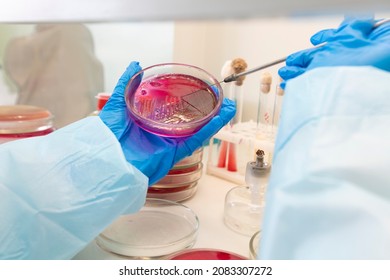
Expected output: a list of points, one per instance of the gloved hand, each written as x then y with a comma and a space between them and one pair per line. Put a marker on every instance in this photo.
154, 155
356, 42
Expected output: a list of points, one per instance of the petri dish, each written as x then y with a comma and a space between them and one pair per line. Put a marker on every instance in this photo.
183, 169
254, 243
22, 121
102, 99
177, 193
173, 99
206, 254
191, 160
160, 228
180, 178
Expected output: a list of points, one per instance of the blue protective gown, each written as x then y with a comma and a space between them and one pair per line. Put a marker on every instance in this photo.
58, 192
329, 190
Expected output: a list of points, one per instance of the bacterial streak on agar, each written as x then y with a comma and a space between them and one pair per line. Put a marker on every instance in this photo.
159, 102
165, 99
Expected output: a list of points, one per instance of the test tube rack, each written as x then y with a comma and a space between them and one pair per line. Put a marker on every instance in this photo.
247, 138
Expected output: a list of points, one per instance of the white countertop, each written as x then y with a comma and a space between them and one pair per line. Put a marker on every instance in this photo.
208, 204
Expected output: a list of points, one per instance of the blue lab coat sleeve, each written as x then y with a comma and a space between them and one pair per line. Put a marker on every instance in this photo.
59, 191
329, 190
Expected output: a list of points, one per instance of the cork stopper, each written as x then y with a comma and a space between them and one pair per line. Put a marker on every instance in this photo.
265, 82
238, 66
279, 90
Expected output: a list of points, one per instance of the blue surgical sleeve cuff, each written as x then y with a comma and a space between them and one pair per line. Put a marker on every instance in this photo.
59, 191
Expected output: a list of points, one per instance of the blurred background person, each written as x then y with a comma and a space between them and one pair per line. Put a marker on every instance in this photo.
6, 96
56, 68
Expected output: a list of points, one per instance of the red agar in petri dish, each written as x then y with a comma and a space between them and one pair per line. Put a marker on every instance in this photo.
102, 99
156, 189
175, 101
27, 134
206, 254
174, 98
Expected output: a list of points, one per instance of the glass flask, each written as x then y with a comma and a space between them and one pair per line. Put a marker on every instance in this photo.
244, 205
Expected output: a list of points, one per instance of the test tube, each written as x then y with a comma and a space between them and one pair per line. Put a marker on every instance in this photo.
264, 115
279, 93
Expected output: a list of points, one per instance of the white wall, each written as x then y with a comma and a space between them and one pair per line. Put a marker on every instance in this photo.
117, 44
208, 44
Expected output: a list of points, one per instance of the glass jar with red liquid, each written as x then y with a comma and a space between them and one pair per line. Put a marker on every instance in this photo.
23, 121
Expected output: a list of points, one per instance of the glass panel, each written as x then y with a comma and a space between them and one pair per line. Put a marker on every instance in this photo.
62, 67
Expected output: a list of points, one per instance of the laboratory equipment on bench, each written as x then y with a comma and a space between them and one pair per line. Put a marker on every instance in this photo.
244, 205
246, 137
24, 121
251, 135
172, 99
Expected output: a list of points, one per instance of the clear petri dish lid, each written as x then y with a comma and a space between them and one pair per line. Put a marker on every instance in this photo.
188, 176
24, 119
206, 254
171, 188
160, 228
191, 160
184, 169
177, 194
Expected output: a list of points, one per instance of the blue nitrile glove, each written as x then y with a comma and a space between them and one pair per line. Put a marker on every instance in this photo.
154, 155
356, 42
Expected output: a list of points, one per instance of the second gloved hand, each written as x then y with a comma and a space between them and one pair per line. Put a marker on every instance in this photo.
154, 155
356, 42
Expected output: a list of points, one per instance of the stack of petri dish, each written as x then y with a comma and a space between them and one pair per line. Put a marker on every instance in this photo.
181, 181
174, 100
